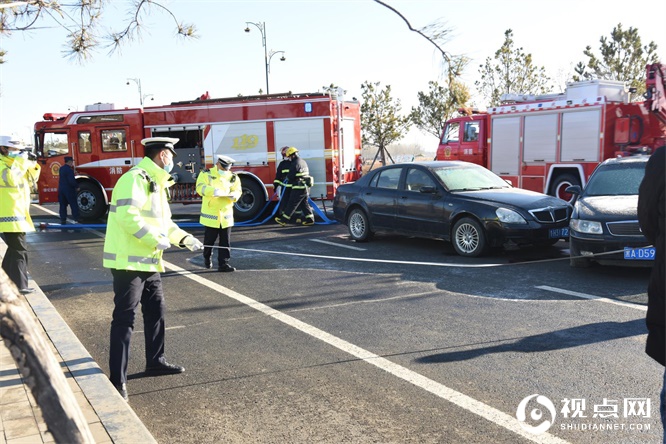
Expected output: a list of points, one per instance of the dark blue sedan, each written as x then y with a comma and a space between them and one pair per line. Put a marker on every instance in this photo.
604, 225
460, 202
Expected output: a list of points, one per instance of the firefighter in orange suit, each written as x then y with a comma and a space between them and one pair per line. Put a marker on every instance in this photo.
220, 188
18, 173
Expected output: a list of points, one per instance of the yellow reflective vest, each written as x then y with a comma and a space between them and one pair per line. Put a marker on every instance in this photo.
17, 176
139, 215
218, 212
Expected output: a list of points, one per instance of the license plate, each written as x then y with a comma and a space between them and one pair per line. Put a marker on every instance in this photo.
639, 254
557, 233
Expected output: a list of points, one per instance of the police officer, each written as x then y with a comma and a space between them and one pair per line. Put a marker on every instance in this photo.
18, 173
301, 181
67, 189
139, 229
220, 188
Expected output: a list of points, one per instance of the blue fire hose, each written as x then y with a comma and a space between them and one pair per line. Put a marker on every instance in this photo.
248, 223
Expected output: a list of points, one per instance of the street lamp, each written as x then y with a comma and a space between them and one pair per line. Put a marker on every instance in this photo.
142, 96
267, 56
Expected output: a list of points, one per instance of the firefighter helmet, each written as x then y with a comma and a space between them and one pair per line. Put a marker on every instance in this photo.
291, 150
283, 151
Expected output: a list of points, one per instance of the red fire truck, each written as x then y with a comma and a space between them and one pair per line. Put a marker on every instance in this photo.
549, 142
106, 142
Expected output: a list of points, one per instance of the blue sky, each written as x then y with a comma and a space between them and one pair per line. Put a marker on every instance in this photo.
341, 42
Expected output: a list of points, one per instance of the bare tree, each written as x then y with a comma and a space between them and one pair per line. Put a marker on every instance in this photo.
82, 20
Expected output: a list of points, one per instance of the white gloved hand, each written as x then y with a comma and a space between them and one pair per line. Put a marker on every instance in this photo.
218, 193
163, 243
192, 243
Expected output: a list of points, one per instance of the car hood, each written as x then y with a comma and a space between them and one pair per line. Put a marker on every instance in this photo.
604, 208
518, 197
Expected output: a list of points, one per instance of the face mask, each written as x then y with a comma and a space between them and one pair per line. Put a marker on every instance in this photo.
13, 153
168, 166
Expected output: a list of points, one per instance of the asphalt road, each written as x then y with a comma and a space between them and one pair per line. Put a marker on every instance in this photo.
319, 339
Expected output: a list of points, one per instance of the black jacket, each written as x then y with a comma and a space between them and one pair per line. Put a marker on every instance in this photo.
651, 216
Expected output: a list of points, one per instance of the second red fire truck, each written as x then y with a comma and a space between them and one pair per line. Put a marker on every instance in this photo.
547, 143
106, 142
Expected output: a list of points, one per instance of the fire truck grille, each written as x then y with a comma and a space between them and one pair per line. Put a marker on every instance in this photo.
550, 215
624, 228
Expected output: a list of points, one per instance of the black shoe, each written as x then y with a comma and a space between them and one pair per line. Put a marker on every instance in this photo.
281, 221
163, 368
207, 263
226, 268
122, 389
26, 290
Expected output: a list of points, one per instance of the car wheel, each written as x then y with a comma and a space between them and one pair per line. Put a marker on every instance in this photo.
358, 225
468, 238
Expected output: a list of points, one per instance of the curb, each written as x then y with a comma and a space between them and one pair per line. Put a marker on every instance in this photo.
120, 421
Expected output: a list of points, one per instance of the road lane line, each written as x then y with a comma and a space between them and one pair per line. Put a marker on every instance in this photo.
461, 400
592, 297
338, 245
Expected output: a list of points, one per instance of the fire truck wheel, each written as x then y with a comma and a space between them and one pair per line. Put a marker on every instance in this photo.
468, 238
91, 202
251, 202
560, 184
358, 225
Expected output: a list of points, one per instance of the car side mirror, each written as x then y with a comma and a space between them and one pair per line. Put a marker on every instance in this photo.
574, 189
428, 190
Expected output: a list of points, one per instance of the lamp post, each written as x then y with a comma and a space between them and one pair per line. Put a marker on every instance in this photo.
142, 96
267, 55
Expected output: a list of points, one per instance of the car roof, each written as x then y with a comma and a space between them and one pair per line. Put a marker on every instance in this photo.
434, 163
630, 159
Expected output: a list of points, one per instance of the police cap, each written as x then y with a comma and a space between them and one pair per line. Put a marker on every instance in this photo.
10, 142
160, 143
225, 161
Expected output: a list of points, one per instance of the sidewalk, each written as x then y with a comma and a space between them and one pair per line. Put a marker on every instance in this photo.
110, 418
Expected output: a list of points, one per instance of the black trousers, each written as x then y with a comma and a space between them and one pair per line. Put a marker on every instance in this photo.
68, 197
298, 200
130, 288
210, 236
15, 262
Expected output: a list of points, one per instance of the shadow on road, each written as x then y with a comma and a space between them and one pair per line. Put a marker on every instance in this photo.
554, 340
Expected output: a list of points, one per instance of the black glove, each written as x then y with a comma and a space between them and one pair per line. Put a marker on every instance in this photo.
31, 156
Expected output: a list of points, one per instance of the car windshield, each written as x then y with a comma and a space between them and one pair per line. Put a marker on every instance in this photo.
620, 179
469, 178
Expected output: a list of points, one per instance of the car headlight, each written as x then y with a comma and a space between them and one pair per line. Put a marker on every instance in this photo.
586, 226
509, 216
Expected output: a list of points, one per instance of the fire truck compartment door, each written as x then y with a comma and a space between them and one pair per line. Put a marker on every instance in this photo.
505, 145
245, 142
540, 143
308, 136
581, 135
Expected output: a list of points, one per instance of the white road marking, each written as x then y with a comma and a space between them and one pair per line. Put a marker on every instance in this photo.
592, 297
461, 400
338, 245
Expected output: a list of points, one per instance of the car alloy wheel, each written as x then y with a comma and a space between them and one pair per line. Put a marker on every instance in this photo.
359, 228
468, 238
